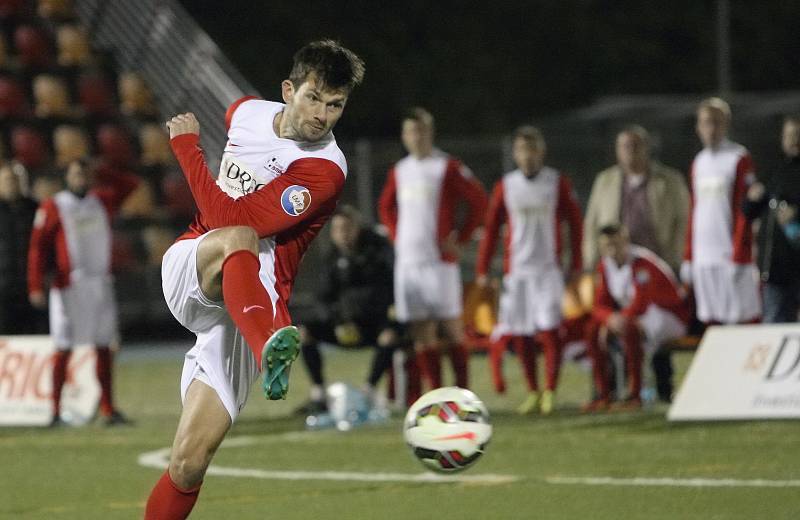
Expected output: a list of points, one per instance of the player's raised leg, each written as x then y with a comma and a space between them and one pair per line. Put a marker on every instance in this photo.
203, 424
228, 269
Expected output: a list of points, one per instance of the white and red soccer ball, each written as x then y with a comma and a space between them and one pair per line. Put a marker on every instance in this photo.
448, 429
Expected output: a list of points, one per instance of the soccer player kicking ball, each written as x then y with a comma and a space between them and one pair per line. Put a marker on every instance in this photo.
228, 278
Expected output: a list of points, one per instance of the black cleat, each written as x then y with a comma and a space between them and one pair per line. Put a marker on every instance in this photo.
117, 418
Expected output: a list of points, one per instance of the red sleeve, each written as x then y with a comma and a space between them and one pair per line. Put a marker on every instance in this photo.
115, 188
495, 218
742, 231
568, 210
387, 205
468, 188
268, 210
604, 305
232, 108
652, 287
42, 244
687, 250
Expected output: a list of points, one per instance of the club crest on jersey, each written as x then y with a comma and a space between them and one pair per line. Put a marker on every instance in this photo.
295, 200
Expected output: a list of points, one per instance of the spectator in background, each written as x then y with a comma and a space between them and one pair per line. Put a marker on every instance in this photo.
718, 260
136, 101
353, 301
638, 300
418, 206
534, 201
777, 205
648, 198
651, 200
72, 235
17, 210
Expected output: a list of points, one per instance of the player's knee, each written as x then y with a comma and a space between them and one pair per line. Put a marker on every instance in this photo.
238, 238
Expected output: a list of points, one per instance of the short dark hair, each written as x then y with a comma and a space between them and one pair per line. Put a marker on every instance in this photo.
419, 115
610, 230
349, 212
335, 66
531, 134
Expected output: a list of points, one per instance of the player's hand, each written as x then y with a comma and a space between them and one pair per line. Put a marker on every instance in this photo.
786, 213
183, 124
616, 323
37, 299
755, 191
451, 246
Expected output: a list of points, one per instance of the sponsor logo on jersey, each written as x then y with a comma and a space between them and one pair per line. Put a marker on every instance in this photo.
274, 166
235, 177
295, 200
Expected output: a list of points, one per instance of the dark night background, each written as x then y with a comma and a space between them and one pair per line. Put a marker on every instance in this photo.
483, 69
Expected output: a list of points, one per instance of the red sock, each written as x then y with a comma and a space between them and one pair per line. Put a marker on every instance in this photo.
526, 352
168, 502
413, 380
103, 372
634, 354
430, 366
599, 360
496, 352
551, 345
459, 358
247, 301
60, 360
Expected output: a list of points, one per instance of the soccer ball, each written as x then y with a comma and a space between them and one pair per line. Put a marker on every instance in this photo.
448, 429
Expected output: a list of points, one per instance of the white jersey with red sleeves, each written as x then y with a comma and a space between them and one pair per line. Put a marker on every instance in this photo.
418, 206
631, 288
718, 232
254, 155
533, 209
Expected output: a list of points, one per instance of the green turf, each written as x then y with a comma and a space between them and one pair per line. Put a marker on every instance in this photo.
92, 472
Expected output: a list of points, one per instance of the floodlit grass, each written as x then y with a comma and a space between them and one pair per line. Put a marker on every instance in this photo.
92, 472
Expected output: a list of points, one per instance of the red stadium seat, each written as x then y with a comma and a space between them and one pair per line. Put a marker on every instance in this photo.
115, 146
29, 147
32, 46
12, 99
11, 7
95, 96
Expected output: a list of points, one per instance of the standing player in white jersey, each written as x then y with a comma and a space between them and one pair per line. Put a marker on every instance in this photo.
228, 278
418, 206
71, 240
533, 202
718, 259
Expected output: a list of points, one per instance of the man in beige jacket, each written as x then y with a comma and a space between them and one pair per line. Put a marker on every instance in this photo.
652, 202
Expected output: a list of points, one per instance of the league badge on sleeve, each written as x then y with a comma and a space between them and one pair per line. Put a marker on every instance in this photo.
295, 200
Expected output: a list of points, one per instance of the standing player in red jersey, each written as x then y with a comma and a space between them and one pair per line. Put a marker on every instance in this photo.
72, 238
418, 206
228, 279
533, 202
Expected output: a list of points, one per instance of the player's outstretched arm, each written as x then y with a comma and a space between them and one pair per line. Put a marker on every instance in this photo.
307, 185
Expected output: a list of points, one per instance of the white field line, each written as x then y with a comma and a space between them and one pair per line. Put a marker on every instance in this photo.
160, 459
673, 482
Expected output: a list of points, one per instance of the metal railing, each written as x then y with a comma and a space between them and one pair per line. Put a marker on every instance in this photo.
183, 66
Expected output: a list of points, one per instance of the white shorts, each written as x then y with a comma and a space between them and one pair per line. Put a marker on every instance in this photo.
429, 291
220, 357
530, 302
659, 326
726, 293
84, 313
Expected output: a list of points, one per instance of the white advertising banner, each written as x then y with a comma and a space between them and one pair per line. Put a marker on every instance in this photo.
742, 372
26, 373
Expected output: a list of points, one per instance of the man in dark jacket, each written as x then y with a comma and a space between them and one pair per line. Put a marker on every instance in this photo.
353, 301
776, 205
17, 211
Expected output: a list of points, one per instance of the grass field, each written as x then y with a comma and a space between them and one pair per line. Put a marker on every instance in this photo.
93, 472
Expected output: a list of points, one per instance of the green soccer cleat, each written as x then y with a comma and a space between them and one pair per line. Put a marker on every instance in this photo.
279, 353
547, 404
